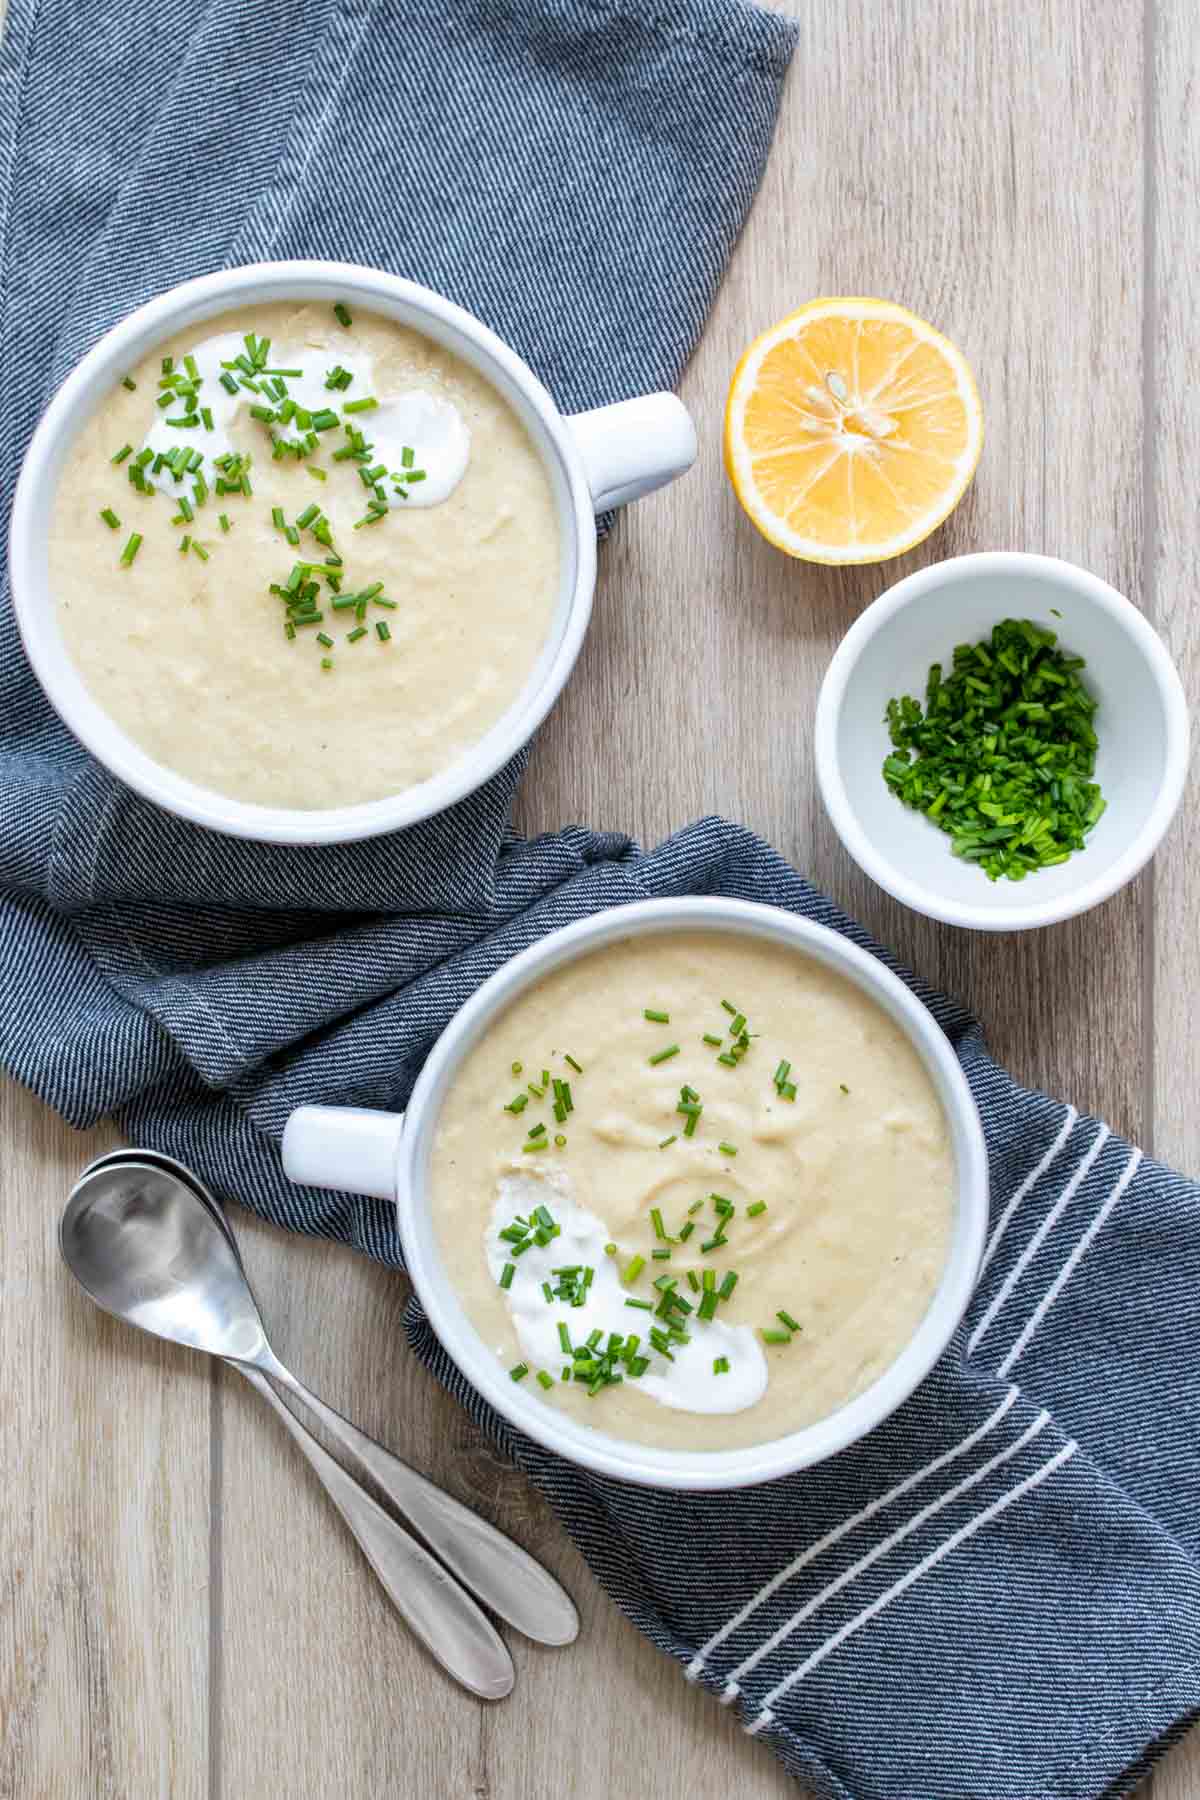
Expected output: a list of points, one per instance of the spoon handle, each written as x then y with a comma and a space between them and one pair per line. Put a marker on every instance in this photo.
504, 1576
446, 1619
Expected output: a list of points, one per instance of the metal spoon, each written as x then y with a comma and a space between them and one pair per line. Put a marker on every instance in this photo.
505, 1577
144, 1246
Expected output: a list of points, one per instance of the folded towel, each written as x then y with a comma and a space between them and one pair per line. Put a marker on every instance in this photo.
995, 1596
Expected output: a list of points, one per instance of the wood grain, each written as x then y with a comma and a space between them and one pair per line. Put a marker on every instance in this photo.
1026, 178
104, 1514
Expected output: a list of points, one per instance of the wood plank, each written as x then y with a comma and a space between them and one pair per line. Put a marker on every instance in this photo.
1173, 564
103, 1513
321, 1688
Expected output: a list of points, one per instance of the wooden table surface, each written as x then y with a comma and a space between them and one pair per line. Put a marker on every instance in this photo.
181, 1612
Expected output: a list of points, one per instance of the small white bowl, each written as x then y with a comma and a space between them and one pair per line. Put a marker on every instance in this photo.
1141, 722
388, 1154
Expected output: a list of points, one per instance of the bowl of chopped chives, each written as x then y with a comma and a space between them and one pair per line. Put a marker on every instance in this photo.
1001, 741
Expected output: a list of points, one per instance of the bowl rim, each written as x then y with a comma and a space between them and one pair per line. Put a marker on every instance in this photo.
452, 326
587, 1446
1027, 915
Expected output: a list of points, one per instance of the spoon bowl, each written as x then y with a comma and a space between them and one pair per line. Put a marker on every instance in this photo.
142, 1244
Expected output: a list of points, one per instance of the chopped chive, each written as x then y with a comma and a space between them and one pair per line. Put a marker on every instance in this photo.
708, 1038
168, 364
325, 639
785, 1318
110, 518
788, 1091
122, 453
656, 1018
661, 1255
729, 1061
130, 383
693, 1282
201, 552
576, 1066
738, 1026
776, 1337
185, 543
757, 1206
223, 521
342, 314
544, 1380
729, 1007
727, 1149
518, 1103
843, 1087
383, 632
641, 1305
518, 1372
305, 519
564, 1337
668, 1140
132, 546
686, 1230
358, 406
277, 518
560, 1142
720, 1365
714, 1243
656, 1219
661, 1056
327, 662
507, 1273
708, 1306
317, 474
633, 1269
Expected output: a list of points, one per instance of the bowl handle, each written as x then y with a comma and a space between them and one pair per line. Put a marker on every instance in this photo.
350, 1148
633, 447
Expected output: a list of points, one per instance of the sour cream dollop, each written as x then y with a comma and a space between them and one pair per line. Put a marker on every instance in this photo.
687, 1384
417, 420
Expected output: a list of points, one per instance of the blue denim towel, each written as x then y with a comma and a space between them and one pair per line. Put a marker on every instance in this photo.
996, 1596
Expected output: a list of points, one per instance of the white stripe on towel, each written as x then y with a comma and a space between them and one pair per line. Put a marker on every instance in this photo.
1068, 1269
1030, 1181
766, 1716
838, 1532
1039, 1237
885, 1545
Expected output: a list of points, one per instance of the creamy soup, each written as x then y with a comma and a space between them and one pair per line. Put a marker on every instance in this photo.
317, 573
768, 1141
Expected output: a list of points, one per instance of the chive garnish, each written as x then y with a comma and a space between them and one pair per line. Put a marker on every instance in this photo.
843, 1087
544, 1380
661, 1056
708, 1038
560, 1142
1002, 755
507, 1273
382, 630
359, 406
122, 453
324, 638
656, 1219
720, 1365
519, 1371
110, 518
571, 1060
342, 314
756, 1207
727, 1286
656, 1018
727, 1149
785, 1318
130, 383
185, 543
661, 1255
729, 1007
776, 1337
132, 546
641, 1305
201, 552
327, 662
667, 1140
633, 1269
685, 1230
